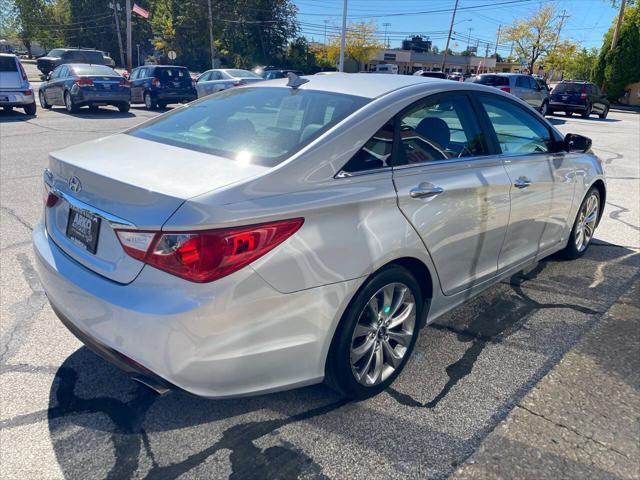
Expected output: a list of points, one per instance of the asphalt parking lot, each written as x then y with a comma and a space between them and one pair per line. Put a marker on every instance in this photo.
65, 413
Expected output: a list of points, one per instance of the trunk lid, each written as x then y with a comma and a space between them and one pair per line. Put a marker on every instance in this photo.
131, 181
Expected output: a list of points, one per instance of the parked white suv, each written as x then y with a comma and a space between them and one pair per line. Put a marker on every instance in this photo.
15, 90
525, 87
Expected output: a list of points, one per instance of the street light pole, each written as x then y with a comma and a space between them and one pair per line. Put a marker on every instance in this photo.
446, 49
343, 39
213, 57
129, 49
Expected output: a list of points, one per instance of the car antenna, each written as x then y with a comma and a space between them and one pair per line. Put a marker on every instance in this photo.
295, 81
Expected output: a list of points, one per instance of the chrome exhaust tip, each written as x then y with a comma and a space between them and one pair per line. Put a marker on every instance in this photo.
151, 384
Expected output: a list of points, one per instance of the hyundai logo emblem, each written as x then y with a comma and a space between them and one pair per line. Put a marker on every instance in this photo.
74, 184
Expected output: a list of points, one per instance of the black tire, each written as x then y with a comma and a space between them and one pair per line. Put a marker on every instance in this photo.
30, 109
587, 112
7, 109
338, 370
43, 101
568, 113
544, 108
93, 108
162, 105
69, 104
149, 102
571, 251
124, 107
604, 114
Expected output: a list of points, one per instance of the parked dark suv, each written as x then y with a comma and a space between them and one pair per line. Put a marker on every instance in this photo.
59, 56
158, 85
584, 98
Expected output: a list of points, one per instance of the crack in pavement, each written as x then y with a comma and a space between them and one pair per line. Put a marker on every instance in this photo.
574, 430
12, 213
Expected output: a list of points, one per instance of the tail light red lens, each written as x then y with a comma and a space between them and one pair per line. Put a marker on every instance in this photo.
28, 93
209, 255
84, 82
583, 94
505, 89
51, 200
124, 83
155, 82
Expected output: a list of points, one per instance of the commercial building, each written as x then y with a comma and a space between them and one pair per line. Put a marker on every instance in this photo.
410, 61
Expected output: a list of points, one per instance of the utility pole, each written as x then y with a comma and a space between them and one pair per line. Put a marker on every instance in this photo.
325, 31
469, 38
343, 39
495, 52
446, 49
129, 48
616, 32
562, 17
386, 39
115, 7
213, 55
486, 58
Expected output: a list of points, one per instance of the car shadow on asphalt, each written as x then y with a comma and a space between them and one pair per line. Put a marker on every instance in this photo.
15, 116
96, 113
93, 404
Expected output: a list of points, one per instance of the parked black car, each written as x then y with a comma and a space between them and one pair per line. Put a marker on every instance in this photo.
431, 74
77, 85
60, 56
158, 85
584, 98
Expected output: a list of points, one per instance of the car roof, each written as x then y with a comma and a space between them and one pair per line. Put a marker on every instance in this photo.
8, 55
357, 84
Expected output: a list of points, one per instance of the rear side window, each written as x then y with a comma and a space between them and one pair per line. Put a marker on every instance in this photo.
491, 80
252, 125
522, 82
375, 154
8, 64
518, 132
439, 129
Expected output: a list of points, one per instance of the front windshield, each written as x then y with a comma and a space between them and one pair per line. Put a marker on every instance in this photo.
55, 53
252, 125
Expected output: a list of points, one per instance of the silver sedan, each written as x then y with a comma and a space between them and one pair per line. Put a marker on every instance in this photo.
305, 229
215, 80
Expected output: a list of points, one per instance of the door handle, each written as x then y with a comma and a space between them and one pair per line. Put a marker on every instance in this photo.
522, 182
423, 191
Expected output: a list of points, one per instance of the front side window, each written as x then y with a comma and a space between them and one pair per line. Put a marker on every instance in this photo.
522, 82
375, 154
439, 129
252, 125
56, 53
518, 132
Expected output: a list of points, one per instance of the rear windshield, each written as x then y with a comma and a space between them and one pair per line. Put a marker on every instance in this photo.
252, 125
94, 70
492, 80
170, 73
8, 64
569, 88
235, 72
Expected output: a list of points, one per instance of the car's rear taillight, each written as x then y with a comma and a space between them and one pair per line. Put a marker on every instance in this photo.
155, 82
583, 94
84, 82
50, 199
505, 89
28, 93
205, 256
124, 83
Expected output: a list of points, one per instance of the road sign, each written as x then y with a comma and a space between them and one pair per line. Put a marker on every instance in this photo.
172, 55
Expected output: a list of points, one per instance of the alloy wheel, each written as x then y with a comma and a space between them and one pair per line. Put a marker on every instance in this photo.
383, 334
543, 109
68, 103
586, 225
43, 102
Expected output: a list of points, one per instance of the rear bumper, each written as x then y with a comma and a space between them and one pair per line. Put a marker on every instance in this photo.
82, 97
180, 96
15, 98
236, 336
567, 107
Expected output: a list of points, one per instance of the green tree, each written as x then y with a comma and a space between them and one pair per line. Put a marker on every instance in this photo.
361, 44
617, 68
535, 36
582, 64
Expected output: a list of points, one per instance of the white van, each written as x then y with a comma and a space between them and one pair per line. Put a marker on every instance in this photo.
387, 68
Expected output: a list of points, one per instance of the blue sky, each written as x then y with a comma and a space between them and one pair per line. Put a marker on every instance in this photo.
587, 21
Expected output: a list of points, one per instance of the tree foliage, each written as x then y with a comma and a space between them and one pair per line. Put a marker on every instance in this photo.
535, 36
361, 44
615, 69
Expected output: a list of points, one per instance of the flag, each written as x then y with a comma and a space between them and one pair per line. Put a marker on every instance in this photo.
140, 11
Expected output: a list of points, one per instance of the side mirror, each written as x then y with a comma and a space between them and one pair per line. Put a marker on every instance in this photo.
576, 143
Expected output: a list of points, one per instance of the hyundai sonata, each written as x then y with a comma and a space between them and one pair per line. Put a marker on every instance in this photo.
305, 229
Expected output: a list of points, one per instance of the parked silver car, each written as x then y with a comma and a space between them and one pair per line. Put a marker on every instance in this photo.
302, 230
15, 89
216, 80
525, 87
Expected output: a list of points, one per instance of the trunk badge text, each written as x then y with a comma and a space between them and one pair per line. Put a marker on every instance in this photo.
74, 184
